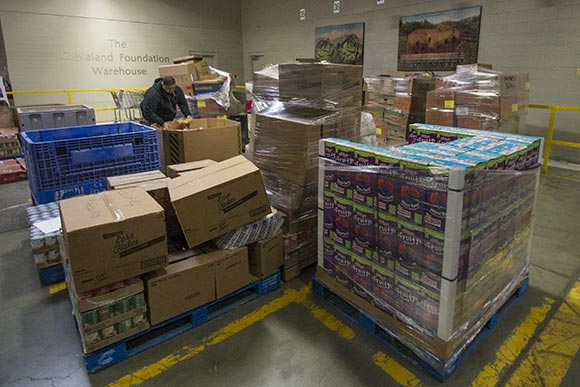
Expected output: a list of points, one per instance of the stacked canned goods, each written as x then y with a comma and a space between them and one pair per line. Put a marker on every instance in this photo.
45, 248
106, 321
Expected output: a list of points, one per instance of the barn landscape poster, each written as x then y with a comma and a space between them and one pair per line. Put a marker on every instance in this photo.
440, 40
340, 44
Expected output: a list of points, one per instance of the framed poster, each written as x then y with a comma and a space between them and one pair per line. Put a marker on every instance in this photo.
340, 44
440, 40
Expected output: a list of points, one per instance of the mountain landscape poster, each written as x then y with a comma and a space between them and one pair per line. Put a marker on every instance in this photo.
340, 44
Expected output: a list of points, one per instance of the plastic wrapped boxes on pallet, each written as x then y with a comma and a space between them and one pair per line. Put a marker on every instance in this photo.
428, 232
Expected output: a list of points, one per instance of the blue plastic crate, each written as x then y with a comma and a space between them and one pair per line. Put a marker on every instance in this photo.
56, 194
65, 157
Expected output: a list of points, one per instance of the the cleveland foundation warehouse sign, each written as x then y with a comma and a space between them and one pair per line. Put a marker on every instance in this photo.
118, 60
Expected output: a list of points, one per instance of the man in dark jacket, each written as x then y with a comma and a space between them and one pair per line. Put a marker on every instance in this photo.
160, 100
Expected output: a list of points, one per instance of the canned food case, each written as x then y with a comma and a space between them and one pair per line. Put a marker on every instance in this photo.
109, 314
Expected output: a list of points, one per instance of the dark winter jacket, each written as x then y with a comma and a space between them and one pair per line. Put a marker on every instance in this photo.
158, 106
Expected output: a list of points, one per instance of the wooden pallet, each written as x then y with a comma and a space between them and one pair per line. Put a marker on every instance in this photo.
289, 273
160, 333
390, 337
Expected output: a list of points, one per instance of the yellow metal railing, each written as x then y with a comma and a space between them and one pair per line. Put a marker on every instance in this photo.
550, 136
69, 93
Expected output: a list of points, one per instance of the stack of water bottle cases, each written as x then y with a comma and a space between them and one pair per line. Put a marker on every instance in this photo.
435, 233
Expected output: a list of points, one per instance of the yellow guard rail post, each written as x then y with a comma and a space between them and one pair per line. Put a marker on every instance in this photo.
550, 137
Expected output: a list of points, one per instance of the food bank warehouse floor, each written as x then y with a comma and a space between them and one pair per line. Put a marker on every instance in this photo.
278, 194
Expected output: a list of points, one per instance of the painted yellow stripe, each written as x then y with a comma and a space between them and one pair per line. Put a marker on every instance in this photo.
152, 370
513, 346
575, 179
396, 371
57, 287
329, 321
550, 357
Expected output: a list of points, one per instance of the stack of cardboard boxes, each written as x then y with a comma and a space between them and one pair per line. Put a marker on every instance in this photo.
427, 232
297, 104
141, 253
396, 101
478, 98
206, 88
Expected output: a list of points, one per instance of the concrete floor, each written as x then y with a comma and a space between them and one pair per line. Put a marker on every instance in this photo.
39, 345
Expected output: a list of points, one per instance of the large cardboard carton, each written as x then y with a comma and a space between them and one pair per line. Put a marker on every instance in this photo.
176, 169
265, 257
217, 199
205, 138
113, 236
183, 74
231, 269
180, 287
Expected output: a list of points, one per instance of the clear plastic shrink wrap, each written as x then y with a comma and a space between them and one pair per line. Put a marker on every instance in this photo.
295, 105
479, 98
433, 236
395, 102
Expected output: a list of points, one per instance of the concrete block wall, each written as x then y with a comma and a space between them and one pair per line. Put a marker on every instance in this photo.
538, 36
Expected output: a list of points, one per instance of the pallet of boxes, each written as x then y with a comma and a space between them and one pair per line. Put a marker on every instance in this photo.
142, 255
295, 105
478, 98
396, 100
424, 239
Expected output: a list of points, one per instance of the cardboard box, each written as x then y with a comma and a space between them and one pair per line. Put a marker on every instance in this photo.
180, 287
182, 73
265, 257
217, 199
208, 86
116, 182
176, 169
209, 108
231, 269
113, 236
206, 138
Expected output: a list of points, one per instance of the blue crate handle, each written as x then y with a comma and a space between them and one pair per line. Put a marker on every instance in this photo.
101, 154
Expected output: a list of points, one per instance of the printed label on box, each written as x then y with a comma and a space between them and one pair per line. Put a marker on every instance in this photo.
462, 111
449, 104
201, 104
379, 131
514, 107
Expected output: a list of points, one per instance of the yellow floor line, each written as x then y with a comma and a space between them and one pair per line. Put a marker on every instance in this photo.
329, 321
187, 352
396, 371
513, 346
577, 180
57, 287
390, 366
550, 357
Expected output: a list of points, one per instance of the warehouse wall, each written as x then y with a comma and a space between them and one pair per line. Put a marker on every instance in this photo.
82, 44
539, 36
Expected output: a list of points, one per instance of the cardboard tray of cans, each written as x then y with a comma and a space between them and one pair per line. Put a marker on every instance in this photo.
109, 314
428, 231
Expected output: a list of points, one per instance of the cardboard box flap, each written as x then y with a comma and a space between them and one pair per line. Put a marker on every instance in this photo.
193, 186
107, 207
115, 181
189, 176
191, 166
